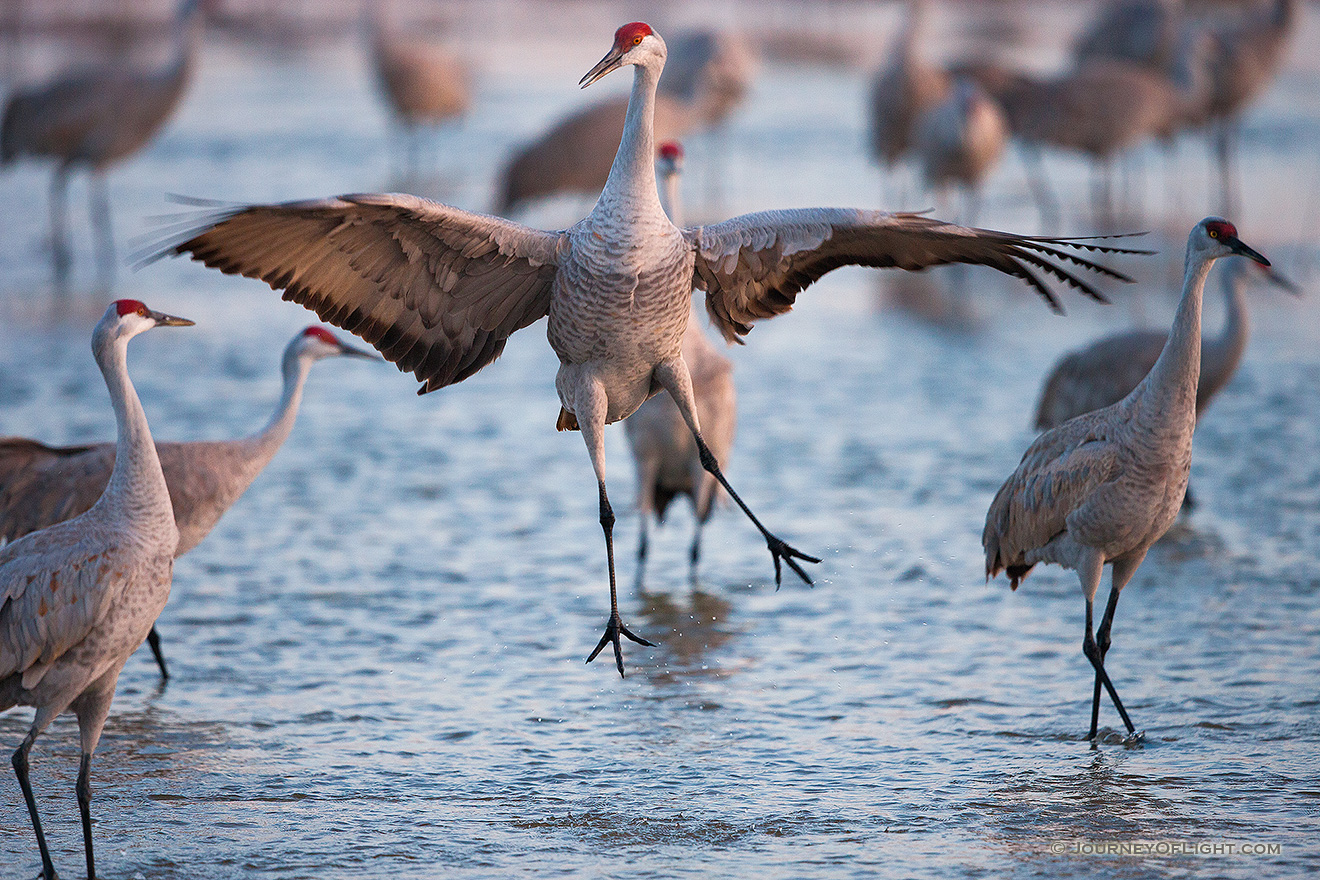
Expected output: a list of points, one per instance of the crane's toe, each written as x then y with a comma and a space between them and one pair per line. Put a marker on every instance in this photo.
782, 551
612, 630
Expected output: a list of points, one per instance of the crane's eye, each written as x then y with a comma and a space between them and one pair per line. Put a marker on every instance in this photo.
141, 311
637, 40
1214, 233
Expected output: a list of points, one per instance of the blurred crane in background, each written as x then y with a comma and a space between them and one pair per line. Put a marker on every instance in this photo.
93, 118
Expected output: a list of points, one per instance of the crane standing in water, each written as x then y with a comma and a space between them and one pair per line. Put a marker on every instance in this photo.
668, 464
438, 290
93, 118
78, 598
42, 485
1103, 487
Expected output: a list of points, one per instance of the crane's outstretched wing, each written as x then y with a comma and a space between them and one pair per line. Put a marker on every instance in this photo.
1057, 474
42, 485
437, 290
753, 266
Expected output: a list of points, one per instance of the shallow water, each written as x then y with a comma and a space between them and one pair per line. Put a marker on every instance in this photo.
377, 655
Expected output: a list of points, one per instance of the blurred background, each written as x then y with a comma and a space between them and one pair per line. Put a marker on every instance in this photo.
377, 655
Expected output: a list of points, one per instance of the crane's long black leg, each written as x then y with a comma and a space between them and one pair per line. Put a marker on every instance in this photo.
20, 762
674, 377
1092, 652
84, 790
103, 226
778, 548
59, 242
1047, 203
153, 642
1102, 643
615, 625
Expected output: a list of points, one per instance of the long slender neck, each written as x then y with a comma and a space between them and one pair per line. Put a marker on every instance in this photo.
632, 176
1171, 384
266, 442
673, 199
1220, 357
136, 480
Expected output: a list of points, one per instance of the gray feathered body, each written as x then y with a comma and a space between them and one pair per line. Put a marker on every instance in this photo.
903, 90
97, 116
42, 485
620, 305
1104, 486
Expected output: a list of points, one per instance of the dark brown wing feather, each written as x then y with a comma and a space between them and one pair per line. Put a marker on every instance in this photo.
752, 267
435, 289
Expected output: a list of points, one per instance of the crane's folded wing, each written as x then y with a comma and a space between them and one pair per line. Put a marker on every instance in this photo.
752, 267
437, 290
51, 595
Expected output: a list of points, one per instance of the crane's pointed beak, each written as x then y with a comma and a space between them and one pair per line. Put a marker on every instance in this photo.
609, 63
1235, 244
164, 320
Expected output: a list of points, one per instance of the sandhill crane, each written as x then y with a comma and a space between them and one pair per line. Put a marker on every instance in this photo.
1144, 32
707, 76
904, 89
1248, 52
438, 290
710, 71
668, 464
76, 599
1101, 110
1103, 487
959, 141
41, 485
423, 83
93, 118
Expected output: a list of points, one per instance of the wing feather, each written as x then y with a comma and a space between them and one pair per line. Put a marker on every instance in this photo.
752, 267
435, 289
1057, 474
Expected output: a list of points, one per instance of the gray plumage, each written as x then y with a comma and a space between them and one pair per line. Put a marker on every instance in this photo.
77, 598
1141, 32
1103, 487
438, 290
1248, 52
904, 89
92, 118
959, 141
42, 485
1101, 109
664, 451
1108, 369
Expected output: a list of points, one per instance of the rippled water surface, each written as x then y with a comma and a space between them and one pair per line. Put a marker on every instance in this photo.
377, 655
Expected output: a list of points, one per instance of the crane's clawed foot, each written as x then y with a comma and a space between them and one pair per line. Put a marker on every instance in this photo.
781, 551
612, 631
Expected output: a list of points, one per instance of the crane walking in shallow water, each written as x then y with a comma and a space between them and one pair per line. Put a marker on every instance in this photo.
1103, 487
78, 598
93, 118
438, 290
668, 464
41, 485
